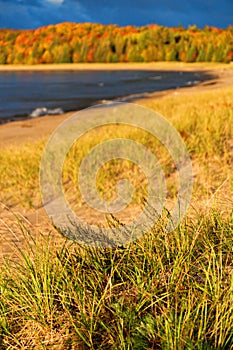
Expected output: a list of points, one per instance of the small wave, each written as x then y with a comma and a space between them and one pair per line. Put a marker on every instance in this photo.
131, 97
106, 102
133, 80
123, 98
156, 77
194, 82
39, 112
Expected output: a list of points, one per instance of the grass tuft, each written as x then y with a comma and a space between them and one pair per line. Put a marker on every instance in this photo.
164, 291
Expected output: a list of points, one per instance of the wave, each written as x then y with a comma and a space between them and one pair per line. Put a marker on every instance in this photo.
156, 77
126, 98
131, 97
39, 112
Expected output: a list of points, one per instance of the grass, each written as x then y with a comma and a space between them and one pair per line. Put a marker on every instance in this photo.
204, 120
163, 291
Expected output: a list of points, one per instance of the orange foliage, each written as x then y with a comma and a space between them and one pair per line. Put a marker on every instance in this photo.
88, 42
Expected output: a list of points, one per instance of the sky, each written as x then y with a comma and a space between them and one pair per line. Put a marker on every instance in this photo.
28, 14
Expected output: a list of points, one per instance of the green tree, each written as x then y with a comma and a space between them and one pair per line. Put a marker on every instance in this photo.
201, 57
191, 54
102, 50
209, 54
134, 54
3, 57
62, 54
66, 54
172, 53
219, 54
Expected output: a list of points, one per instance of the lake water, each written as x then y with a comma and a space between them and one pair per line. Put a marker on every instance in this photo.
22, 92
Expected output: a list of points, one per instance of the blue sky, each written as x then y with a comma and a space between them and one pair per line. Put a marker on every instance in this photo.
35, 13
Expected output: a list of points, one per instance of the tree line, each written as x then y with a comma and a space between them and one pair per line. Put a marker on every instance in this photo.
88, 42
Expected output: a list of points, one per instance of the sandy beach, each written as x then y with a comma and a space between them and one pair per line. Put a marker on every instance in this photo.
116, 66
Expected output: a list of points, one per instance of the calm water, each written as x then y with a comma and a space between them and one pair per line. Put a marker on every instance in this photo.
22, 92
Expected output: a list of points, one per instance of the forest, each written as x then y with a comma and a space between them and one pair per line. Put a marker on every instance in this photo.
88, 42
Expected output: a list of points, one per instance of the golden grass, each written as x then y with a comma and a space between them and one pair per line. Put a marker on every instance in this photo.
204, 120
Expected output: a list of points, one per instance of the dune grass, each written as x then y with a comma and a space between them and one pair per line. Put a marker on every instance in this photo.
204, 120
163, 291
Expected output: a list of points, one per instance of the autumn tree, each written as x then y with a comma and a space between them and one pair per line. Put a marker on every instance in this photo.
88, 42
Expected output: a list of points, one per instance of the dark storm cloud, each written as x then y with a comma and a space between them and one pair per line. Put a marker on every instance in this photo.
31, 14
166, 12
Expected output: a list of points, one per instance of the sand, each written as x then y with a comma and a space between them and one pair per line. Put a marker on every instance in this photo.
117, 66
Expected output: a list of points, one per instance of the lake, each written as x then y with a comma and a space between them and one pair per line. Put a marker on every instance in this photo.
21, 92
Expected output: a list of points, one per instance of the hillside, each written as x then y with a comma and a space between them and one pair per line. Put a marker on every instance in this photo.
86, 42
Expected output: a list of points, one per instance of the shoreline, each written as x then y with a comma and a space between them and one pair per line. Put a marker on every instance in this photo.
197, 75
35, 129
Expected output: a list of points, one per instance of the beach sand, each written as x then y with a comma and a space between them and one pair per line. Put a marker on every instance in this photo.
115, 66
118, 66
